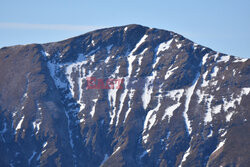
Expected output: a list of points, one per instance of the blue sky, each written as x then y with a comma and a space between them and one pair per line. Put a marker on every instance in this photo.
223, 25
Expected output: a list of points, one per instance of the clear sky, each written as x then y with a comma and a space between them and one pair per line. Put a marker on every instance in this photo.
223, 25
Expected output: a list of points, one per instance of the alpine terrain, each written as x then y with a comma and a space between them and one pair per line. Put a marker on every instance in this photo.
127, 96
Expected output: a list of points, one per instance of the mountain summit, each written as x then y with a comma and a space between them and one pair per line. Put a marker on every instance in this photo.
123, 96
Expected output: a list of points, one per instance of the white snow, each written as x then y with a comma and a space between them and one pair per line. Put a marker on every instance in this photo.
215, 71
169, 111
189, 93
93, 42
170, 72
117, 149
140, 60
53, 68
69, 68
92, 58
92, 112
239, 60
151, 117
131, 95
210, 134
204, 82
125, 29
231, 103
204, 59
19, 125
164, 46
224, 59
117, 70
208, 115
179, 45
200, 95
142, 40
25, 95
112, 101
45, 144
245, 91
195, 45
151, 121
216, 109
45, 54
148, 90
131, 59
107, 59
216, 56
145, 138
174, 95
122, 99
214, 83
185, 156
112, 98
36, 125
229, 116
223, 134
156, 62
74, 67
221, 144
142, 53
82, 120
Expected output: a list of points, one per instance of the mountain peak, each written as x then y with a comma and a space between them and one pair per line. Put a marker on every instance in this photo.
123, 96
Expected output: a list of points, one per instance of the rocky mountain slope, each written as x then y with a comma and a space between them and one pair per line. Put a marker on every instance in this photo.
179, 104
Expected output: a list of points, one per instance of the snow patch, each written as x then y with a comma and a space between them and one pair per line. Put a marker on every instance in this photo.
36, 126
189, 93
240, 60
164, 46
122, 100
174, 95
117, 149
19, 125
131, 95
229, 116
125, 29
142, 40
185, 156
220, 145
210, 134
179, 45
215, 71
170, 72
148, 90
169, 111
224, 59
92, 112
204, 59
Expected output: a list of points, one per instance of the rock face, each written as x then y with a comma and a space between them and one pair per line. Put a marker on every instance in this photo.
180, 104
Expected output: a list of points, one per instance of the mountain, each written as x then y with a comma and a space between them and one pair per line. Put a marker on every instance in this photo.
123, 96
